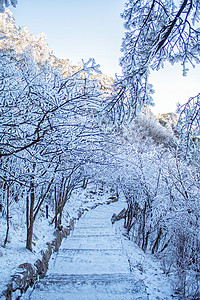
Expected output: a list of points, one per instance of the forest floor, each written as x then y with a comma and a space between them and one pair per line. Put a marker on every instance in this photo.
144, 268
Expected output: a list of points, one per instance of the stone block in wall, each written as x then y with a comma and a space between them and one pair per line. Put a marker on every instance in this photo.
24, 277
57, 240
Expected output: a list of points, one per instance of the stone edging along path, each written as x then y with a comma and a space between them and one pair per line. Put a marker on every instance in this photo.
27, 274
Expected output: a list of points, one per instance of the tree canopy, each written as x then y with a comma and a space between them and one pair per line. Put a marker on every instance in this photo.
156, 32
7, 3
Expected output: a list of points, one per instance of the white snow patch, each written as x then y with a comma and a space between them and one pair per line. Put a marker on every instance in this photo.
146, 267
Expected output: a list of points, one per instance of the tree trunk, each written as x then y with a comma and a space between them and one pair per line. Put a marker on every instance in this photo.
29, 238
56, 208
156, 244
30, 216
7, 217
62, 202
146, 241
143, 227
85, 182
59, 221
27, 212
129, 217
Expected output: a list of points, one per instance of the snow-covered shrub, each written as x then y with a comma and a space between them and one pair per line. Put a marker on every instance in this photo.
162, 193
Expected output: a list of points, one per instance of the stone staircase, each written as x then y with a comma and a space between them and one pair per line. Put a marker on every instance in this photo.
91, 264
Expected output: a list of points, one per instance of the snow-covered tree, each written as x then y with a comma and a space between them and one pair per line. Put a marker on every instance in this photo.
6, 3
189, 125
156, 32
45, 119
162, 193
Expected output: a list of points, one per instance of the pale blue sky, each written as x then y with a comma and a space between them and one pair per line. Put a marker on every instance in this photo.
79, 29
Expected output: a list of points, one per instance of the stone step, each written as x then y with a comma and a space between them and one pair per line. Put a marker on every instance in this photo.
83, 230
96, 214
90, 262
77, 235
89, 287
91, 242
91, 251
91, 238
94, 223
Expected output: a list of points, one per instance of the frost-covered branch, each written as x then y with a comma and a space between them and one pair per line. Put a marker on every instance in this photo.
156, 32
7, 3
189, 124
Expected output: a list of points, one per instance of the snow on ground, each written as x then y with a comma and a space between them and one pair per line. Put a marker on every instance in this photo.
146, 267
15, 252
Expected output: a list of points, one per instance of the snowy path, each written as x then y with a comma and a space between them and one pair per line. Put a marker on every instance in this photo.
91, 264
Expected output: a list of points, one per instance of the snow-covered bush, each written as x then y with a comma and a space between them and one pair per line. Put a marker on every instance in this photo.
162, 193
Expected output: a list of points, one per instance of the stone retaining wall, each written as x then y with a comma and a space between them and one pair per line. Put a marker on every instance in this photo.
27, 274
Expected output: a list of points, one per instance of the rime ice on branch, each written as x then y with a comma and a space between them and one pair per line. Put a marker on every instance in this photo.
156, 32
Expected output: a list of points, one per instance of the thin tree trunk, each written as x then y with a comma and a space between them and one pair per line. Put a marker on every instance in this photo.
27, 211
56, 209
7, 217
143, 226
30, 220
85, 182
146, 241
129, 217
156, 244
59, 222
